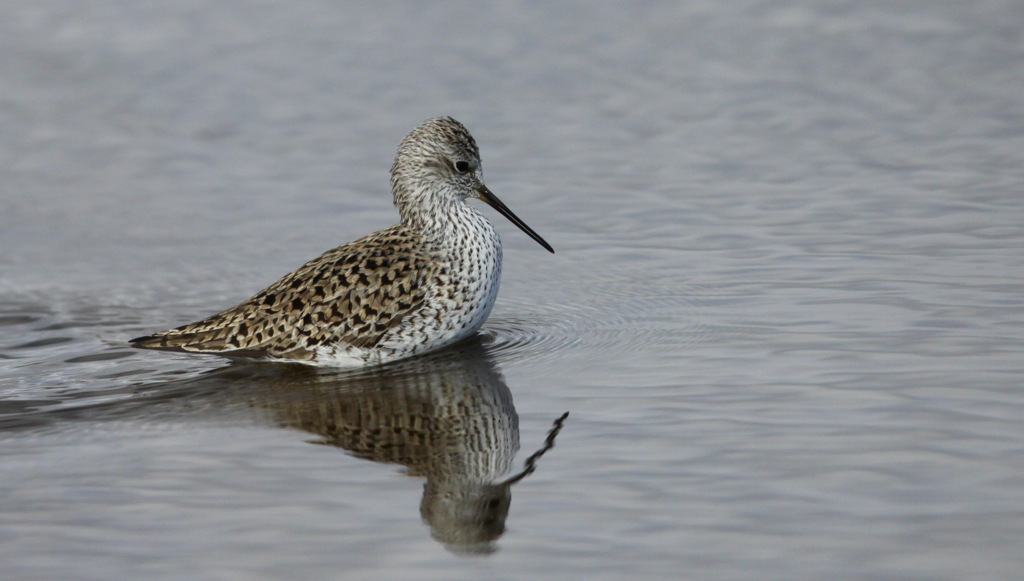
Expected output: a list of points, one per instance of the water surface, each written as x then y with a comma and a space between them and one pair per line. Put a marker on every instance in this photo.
785, 311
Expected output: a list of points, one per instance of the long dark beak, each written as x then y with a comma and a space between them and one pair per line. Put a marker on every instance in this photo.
489, 197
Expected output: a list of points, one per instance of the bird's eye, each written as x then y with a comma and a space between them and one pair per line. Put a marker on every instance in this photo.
462, 166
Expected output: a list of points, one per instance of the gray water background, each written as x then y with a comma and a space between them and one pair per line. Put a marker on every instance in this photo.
786, 311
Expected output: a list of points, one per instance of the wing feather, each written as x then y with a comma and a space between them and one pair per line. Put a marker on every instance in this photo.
353, 294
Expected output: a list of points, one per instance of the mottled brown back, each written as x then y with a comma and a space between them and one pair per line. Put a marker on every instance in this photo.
352, 294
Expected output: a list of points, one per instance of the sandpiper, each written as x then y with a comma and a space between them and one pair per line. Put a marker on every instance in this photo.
420, 285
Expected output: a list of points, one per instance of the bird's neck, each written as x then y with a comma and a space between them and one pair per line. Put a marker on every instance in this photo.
444, 219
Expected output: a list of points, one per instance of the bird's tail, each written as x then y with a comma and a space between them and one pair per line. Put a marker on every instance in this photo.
188, 339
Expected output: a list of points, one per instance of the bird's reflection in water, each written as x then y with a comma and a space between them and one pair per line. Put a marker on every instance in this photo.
447, 417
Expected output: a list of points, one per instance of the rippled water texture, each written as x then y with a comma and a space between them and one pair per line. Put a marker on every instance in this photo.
785, 313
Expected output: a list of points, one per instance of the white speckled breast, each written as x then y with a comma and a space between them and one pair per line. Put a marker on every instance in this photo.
459, 305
